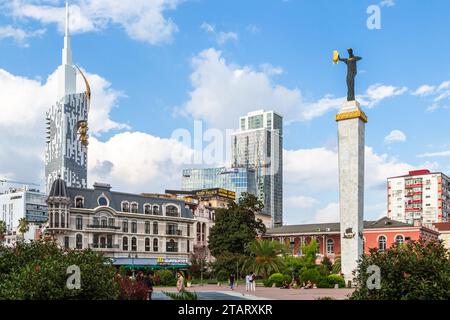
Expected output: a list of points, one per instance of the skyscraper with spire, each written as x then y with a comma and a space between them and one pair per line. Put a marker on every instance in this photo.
66, 152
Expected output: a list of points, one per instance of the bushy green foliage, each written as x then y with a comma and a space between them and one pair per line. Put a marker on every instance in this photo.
336, 269
330, 281
311, 274
184, 295
166, 277
227, 263
236, 226
417, 270
278, 279
37, 271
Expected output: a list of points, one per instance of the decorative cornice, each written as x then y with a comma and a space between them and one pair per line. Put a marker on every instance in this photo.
357, 114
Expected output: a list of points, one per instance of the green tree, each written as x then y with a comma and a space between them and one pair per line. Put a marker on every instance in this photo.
236, 226
418, 270
264, 257
336, 269
24, 226
2, 229
228, 263
38, 271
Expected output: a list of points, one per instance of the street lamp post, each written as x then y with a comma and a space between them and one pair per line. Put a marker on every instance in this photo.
131, 256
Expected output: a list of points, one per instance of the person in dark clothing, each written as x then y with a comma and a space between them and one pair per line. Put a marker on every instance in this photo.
149, 284
231, 281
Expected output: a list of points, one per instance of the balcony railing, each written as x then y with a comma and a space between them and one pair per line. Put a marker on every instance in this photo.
103, 246
177, 232
99, 226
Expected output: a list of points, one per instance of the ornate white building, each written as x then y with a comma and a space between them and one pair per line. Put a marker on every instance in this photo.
131, 229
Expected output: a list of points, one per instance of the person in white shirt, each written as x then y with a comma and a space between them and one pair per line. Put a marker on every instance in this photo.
247, 283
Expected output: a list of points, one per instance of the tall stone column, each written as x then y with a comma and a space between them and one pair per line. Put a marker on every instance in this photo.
351, 131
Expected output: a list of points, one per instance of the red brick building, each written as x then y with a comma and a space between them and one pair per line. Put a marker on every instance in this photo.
380, 234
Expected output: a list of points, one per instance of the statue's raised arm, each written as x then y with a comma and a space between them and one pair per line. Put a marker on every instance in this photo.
351, 71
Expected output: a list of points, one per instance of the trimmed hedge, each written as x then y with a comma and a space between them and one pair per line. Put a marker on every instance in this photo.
330, 281
166, 278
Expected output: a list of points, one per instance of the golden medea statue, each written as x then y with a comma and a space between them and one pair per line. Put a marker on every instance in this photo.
351, 71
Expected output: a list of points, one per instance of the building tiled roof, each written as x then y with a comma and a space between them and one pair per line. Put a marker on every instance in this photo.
442, 226
384, 222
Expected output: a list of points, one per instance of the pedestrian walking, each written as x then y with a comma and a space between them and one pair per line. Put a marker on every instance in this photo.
252, 282
231, 281
180, 282
247, 282
149, 284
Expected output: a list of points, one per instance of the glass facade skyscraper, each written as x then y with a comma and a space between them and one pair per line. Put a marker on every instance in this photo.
238, 180
258, 145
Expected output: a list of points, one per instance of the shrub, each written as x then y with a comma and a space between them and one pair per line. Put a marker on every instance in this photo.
166, 278
222, 276
417, 270
310, 275
336, 279
131, 289
184, 295
278, 279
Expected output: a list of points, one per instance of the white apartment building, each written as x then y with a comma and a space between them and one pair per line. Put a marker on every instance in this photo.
16, 204
420, 196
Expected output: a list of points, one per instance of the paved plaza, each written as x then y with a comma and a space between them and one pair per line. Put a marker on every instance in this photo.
214, 292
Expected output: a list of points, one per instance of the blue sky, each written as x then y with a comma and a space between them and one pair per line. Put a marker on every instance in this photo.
158, 65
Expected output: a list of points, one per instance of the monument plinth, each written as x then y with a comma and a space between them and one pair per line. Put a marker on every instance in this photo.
351, 132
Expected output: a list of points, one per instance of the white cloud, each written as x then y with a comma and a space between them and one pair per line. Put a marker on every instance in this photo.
424, 90
142, 20
395, 136
435, 154
330, 213
223, 91
136, 162
378, 92
24, 104
222, 36
301, 201
387, 3
18, 35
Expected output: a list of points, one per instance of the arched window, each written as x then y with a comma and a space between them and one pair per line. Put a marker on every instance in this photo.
199, 232
79, 202
155, 227
330, 246
134, 207
133, 244
125, 225
399, 239
51, 219
125, 206
79, 241
147, 244
155, 245
171, 246
147, 209
156, 210
381, 243
104, 222
133, 227
147, 227
125, 243
172, 211
203, 231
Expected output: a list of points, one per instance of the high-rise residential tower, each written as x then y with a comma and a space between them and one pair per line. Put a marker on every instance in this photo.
259, 145
66, 153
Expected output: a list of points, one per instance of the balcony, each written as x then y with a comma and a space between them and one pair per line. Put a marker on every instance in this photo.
103, 227
171, 232
103, 246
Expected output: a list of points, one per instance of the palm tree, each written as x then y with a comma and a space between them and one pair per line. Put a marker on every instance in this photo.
23, 226
264, 257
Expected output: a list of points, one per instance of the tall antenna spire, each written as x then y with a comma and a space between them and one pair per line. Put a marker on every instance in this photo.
67, 19
67, 51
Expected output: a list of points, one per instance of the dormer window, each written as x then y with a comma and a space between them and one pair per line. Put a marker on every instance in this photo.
172, 211
147, 209
125, 206
134, 207
103, 201
79, 202
156, 210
